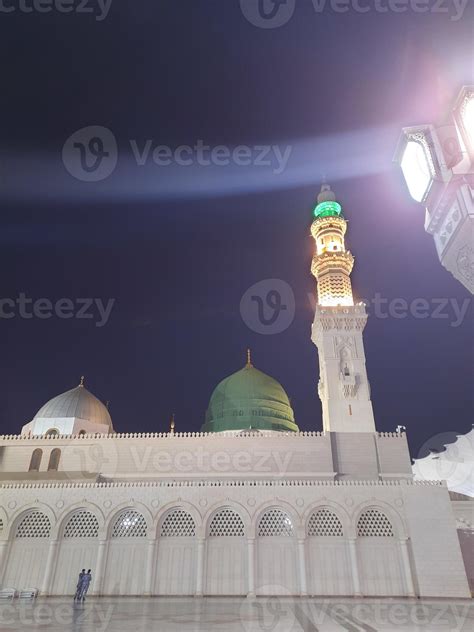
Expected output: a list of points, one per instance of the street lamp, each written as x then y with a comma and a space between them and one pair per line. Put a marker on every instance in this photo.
437, 163
417, 166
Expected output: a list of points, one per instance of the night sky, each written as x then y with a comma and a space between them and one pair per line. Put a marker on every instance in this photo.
178, 246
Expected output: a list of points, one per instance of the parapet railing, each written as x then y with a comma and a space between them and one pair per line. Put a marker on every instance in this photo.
178, 435
229, 483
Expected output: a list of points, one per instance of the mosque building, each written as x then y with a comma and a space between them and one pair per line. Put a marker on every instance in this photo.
250, 505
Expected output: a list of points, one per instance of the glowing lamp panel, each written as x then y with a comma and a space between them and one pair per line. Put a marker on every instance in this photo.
330, 243
416, 169
328, 209
335, 289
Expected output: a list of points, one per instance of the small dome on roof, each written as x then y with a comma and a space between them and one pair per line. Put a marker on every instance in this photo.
77, 402
74, 411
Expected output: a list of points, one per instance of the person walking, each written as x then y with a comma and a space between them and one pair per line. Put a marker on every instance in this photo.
79, 584
85, 582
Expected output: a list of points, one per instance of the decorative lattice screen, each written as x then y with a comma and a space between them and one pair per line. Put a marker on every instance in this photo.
34, 525
1, 524
324, 523
82, 524
227, 523
334, 286
275, 522
178, 524
129, 524
374, 523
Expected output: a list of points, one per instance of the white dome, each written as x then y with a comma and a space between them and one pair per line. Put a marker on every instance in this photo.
79, 403
71, 412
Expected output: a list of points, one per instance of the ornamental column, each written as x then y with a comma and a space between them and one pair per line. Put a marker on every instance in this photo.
302, 565
407, 567
100, 567
150, 567
251, 567
200, 567
50, 564
3, 558
355, 567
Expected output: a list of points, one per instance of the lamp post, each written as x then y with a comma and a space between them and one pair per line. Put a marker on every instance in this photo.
438, 166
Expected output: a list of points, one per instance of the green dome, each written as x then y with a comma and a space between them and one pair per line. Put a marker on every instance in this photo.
249, 399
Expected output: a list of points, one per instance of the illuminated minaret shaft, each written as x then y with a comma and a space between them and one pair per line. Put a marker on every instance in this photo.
338, 325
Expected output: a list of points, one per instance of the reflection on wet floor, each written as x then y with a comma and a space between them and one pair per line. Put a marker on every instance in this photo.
236, 615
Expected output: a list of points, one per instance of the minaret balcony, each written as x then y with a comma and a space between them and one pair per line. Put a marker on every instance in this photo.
321, 223
332, 261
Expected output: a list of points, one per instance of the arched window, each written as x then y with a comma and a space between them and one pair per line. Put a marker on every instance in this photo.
178, 524
52, 432
324, 522
275, 522
35, 524
374, 523
36, 460
226, 523
82, 433
82, 524
130, 524
54, 459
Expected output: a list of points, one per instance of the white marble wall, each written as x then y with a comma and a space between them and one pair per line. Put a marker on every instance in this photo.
423, 556
211, 456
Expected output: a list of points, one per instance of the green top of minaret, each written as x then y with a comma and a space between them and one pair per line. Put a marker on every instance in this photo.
327, 205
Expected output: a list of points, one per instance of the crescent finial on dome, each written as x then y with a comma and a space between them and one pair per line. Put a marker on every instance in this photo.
81, 383
249, 358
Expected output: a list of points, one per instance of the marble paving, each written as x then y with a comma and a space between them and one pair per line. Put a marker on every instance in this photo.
236, 615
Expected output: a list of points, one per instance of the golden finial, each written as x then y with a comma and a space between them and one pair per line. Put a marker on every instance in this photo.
249, 358
172, 424
81, 383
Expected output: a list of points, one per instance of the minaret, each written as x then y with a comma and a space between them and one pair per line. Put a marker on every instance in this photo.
338, 325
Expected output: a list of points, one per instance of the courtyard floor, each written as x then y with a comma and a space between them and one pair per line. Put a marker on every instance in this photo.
236, 615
